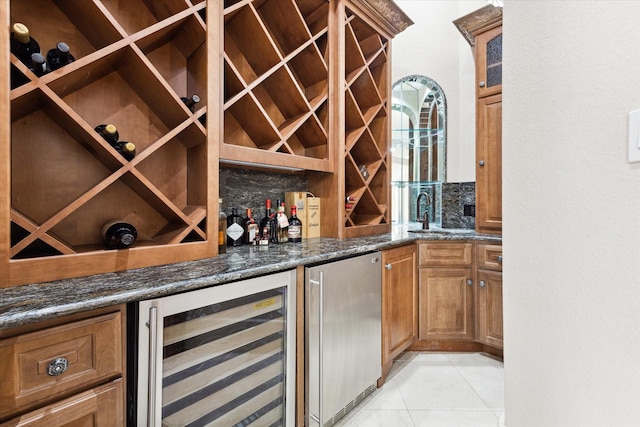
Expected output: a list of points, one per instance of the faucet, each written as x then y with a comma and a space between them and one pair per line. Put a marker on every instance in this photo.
424, 218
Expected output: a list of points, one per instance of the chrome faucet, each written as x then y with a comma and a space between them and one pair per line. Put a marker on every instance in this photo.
424, 218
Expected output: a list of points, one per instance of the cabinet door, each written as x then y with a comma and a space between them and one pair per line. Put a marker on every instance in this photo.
489, 62
490, 325
446, 303
489, 165
399, 301
98, 407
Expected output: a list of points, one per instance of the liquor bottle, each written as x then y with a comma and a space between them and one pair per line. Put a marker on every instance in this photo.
126, 149
265, 224
59, 57
109, 133
38, 65
119, 234
222, 229
22, 44
251, 229
235, 230
282, 225
273, 224
191, 102
295, 227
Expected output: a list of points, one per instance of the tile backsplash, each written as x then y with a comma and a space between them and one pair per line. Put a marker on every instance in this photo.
454, 198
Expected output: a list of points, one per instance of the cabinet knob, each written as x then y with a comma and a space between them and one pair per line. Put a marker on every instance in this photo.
482, 283
387, 266
500, 259
482, 84
481, 162
469, 282
57, 367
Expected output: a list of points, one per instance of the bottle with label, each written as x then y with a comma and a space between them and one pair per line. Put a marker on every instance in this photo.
59, 56
295, 227
265, 225
251, 229
109, 133
191, 102
38, 65
22, 44
282, 224
222, 229
235, 229
119, 234
126, 149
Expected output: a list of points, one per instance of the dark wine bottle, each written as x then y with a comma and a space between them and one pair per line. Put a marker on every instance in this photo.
265, 226
59, 57
222, 229
294, 232
251, 229
191, 102
109, 133
22, 44
126, 149
119, 234
235, 229
38, 65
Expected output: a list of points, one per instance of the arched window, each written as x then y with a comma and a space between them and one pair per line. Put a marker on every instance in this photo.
419, 134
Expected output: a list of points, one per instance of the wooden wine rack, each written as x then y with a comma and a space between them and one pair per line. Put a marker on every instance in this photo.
135, 59
276, 84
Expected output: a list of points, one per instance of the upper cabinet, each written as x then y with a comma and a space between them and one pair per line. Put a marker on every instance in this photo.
134, 62
483, 30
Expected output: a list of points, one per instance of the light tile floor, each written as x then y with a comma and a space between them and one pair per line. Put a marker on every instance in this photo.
428, 389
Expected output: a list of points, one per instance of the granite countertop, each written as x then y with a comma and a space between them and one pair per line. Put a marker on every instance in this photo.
41, 301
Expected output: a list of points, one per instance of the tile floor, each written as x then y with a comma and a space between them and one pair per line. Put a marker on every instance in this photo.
426, 389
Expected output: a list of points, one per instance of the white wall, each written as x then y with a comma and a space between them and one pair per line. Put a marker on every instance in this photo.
571, 206
433, 47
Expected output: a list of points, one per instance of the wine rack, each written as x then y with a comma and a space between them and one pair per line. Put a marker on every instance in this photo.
367, 176
135, 59
276, 85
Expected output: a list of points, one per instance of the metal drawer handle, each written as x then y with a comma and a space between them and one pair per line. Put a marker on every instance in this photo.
469, 282
500, 258
482, 283
387, 266
57, 367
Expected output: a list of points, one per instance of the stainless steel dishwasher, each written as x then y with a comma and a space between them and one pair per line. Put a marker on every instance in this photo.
342, 336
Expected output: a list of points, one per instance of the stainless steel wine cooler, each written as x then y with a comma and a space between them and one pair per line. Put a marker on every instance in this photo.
221, 356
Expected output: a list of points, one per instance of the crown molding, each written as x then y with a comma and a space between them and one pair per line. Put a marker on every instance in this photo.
479, 21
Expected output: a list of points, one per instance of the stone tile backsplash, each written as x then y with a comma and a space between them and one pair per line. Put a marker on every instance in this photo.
454, 198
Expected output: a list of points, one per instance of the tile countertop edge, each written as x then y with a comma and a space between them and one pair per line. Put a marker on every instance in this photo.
43, 301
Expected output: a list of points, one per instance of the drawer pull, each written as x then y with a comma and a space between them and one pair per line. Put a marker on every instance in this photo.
57, 367
500, 259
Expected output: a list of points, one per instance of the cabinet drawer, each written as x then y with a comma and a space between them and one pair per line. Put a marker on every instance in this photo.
99, 407
439, 254
41, 366
490, 257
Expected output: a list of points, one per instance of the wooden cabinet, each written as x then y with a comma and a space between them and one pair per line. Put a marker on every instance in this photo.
70, 370
483, 30
446, 293
399, 303
134, 60
489, 295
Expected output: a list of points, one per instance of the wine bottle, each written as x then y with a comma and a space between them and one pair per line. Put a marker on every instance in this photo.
251, 229
119, 234
38, 65
109, 133
126, 149
235, 230
22, 44
295, 227
265, 226
59, 56
282, 225
191, 102
222, 228
273, 224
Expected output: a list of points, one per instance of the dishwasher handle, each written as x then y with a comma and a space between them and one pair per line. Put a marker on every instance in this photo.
320, 283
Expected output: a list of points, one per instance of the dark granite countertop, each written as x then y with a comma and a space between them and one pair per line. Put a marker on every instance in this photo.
41, 301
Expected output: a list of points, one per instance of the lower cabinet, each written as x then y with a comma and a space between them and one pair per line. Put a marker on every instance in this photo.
399, 303
446, 291
64, 372
489, 295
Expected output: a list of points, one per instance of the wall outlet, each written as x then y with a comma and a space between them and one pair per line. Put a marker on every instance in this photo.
470, 210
